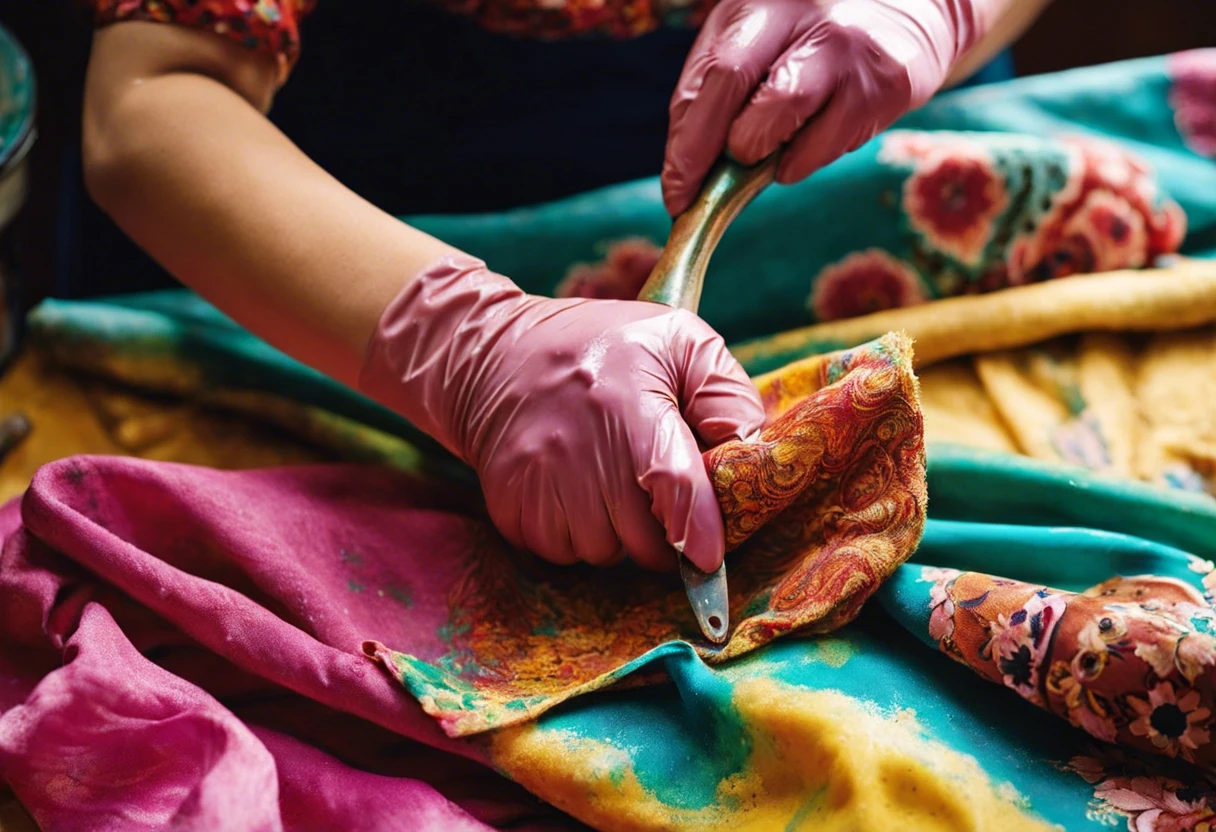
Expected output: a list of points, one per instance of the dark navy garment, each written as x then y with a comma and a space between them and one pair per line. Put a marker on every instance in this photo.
426, 113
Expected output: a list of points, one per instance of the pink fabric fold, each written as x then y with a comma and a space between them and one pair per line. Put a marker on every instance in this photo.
180, 648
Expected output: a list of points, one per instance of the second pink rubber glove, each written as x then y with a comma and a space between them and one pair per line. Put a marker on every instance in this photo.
823, 76
581, 417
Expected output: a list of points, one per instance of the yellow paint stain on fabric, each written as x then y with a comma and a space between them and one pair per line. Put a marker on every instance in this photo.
821, 761
834, 652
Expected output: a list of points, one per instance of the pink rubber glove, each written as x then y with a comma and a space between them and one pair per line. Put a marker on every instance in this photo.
581, 417
824, 76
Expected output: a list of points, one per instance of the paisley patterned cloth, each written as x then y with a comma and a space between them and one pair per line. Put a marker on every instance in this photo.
818, 511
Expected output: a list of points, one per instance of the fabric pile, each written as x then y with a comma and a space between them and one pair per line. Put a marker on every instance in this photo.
1011, 630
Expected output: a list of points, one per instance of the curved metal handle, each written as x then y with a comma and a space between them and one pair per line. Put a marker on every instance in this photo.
680, 273
676, 281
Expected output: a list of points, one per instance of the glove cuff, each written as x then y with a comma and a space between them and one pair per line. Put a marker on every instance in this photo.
421, 361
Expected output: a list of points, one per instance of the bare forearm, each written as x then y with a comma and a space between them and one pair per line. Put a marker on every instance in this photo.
1010, 19
199, 178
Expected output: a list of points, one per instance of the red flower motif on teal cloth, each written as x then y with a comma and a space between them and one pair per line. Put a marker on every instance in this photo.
620, 276
1109, 216
953, 199
864, 282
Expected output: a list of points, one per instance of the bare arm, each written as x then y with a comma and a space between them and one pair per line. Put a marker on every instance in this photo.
178, 152
1013, 22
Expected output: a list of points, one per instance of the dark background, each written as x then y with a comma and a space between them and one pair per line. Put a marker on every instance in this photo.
56, 33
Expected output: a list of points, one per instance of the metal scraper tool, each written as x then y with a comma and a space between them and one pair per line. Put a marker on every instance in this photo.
676, 281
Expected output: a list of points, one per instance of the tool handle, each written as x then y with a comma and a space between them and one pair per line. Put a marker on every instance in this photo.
680, 273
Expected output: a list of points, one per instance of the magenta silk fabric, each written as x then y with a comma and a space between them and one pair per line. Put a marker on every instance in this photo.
182, 647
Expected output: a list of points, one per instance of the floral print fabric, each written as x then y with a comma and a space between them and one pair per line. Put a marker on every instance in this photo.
986, 212
1135, 794
273, 26
270, 26
1130, 661
977, 212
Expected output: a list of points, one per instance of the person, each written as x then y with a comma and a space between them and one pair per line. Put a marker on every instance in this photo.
584, 419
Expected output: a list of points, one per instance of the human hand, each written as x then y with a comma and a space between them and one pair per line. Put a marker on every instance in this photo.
819, 77
581, 417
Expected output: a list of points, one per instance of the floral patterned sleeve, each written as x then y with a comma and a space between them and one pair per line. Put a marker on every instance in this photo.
272, 26
553, 19
269, 26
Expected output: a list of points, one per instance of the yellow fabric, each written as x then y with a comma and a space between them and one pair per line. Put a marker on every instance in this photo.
1152, 300
821, 761
1142, 405
957, 408
1114, 372
75, 415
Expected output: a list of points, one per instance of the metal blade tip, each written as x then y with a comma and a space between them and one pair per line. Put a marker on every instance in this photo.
708, 596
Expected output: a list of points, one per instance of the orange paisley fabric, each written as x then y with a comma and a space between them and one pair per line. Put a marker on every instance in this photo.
819, 511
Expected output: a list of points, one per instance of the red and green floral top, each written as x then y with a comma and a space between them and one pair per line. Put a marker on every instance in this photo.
273, 26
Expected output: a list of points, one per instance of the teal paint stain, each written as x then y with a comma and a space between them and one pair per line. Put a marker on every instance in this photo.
793, 660
449, 693
459, 666
354, 586
836, 369
401, 595
1073, 400
549, 628
758, 604
806, 810
350, 558
616, 776
447, 632
683, 740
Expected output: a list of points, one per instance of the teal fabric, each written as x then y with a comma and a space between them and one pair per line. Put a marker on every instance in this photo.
990, 513
178, 326
760, 276
886, 669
